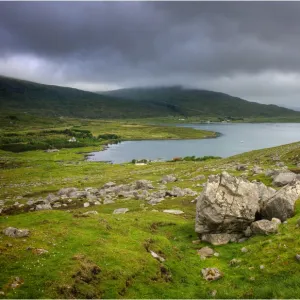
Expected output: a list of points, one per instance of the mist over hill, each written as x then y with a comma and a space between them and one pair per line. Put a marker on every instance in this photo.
50, 100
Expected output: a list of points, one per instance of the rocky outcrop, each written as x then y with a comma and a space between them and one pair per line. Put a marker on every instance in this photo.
232, 207
281, 204
227, 204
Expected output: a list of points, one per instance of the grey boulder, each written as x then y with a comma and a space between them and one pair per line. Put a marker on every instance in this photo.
15, 232
283, 179
264, 227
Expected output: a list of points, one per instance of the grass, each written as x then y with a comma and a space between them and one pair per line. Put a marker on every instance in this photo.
106, 255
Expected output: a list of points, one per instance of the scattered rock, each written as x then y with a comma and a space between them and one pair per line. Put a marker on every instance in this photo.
219, 238
196, 242
244, 250
156, 256
281, 204
45, 206
90, 212
205, 252
213, 293
264, 227
120, 211
39, 251
234, 262
261, 267
280, 164
173, 211
17, 281
199, 177
248, 232
86, 204
216, 254
168, 178
109, 185
257, 170
275, 220
283, 179
298, 257
143, 184
15, 232
211, 274
241, 167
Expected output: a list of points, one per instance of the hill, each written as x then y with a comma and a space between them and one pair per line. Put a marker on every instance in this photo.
49, 100
191, 102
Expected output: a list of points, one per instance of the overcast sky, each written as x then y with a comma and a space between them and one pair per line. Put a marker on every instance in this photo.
247, 49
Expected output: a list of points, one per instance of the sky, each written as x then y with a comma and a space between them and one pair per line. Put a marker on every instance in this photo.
246, 49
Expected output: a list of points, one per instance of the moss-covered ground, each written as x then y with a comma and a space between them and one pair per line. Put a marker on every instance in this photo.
107, 256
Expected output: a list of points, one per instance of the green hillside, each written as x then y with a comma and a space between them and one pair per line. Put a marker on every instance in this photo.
48, 100
191, 102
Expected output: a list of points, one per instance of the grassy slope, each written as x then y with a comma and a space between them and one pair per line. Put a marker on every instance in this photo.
193, 102
117, 243
47, 100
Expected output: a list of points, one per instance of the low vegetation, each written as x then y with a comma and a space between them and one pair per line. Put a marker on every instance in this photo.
108, 256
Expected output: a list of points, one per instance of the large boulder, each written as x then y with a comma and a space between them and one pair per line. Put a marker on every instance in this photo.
281, 204
227, 204
283, 179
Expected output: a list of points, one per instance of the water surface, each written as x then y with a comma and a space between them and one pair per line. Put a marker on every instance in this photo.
235, 139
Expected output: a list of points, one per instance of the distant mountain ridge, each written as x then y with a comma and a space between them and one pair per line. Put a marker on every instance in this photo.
50, 100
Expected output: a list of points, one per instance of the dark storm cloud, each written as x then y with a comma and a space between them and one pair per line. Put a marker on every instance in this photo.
250, 49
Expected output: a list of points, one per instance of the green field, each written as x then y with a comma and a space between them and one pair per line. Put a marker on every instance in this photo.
107, 255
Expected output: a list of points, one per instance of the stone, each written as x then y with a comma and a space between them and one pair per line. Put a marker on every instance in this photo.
264, 227
283, 179
108, 201
52, 198
196, 242
156, 256
275, 220
120, 211
281, 204
45, 206
173, 211
168, 178
66, 191
109, 185
257, 170
244, 250
219, 238
241, 167
15, 232
86, 204
235, 262
39, 251
154, 201
213, 293
199, 177
261, 267
297, 257
143, 184
227, 204
280, 164
211, 274
90, 212
205, 252
216, 254
56, 205
176, 192
248, 232
97, 203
